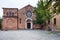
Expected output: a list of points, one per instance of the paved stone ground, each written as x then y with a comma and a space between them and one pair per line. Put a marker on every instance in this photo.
28, 35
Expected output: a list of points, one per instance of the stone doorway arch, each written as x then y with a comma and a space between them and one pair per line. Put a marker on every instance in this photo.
28, 24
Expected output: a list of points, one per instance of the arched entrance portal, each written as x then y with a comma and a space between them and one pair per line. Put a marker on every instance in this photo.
28, 24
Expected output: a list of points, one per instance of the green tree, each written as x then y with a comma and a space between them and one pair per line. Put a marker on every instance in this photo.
42, 14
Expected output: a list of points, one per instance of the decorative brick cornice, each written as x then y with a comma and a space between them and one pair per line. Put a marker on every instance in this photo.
9, 8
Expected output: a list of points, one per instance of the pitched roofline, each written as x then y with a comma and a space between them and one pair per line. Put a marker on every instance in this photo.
29, 5
17, 8
26, 6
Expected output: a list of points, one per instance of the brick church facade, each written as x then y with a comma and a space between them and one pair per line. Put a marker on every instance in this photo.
14, 18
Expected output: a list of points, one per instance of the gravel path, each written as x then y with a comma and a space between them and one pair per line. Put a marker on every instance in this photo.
28, 35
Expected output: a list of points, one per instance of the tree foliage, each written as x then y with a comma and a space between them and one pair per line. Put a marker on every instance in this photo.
42, 14
56, 6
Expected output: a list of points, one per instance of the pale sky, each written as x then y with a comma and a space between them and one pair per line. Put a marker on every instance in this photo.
15, 4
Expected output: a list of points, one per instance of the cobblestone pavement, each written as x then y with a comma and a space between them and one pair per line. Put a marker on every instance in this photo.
28, 35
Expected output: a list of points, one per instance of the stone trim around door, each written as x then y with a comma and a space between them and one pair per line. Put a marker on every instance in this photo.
29, 22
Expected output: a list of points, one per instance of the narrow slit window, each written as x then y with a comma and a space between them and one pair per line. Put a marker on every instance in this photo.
54, 21
48, 21
20, 20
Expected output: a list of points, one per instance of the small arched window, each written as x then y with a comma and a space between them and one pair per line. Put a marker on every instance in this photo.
7, 13
10, 13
